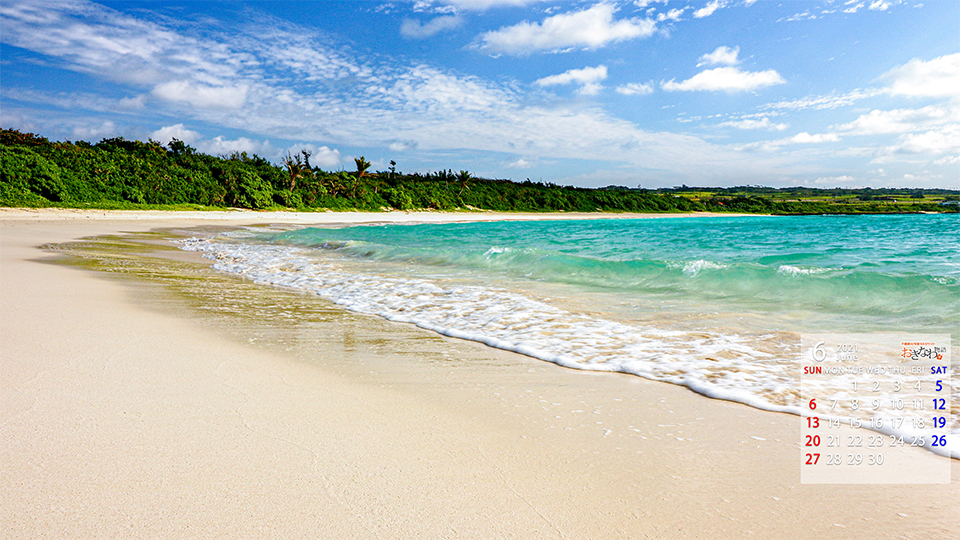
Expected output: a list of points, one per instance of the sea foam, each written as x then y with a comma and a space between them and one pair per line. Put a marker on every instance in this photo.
719, 365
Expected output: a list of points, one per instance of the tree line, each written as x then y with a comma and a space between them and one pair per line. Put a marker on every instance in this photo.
119, 173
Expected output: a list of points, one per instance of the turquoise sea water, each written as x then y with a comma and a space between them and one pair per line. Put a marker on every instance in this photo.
874, 270
715, 304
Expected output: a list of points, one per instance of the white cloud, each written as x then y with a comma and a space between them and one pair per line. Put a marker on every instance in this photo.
519, 164
853, 9
708, 9
880, 5
78, 100
948, 160
320, 156
413, 29
177, 131
722, 55
423, 89
588, 78
93, 132
749, 123
938, 141
805, 16
592, 28
939, 77
825, 102
96, 40
132, 103
634, 89
806, 138
728, 79
672, 15
800, 138
203, 96
218, 145
900, 120
402, 146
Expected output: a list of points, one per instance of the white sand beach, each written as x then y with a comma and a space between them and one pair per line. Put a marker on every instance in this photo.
127, 413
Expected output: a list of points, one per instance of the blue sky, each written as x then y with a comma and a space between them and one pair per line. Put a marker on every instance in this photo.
653, 93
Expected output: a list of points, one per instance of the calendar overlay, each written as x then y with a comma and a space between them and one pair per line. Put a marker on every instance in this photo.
870, 402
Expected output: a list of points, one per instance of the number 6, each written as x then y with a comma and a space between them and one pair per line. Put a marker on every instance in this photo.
818, 353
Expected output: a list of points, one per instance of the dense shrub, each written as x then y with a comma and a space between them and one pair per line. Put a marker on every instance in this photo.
28, 177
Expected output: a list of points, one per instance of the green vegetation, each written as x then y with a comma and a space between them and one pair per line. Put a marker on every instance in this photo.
116, 173
803, 200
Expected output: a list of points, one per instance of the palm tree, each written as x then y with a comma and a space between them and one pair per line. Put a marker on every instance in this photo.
297, 166
463, 178
362, 166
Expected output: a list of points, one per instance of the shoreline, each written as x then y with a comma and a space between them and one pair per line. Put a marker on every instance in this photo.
251, 216
124, 419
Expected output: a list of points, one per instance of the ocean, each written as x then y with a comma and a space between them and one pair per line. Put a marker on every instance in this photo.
716, 304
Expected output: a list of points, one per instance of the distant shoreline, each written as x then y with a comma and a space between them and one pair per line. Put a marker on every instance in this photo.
252, 216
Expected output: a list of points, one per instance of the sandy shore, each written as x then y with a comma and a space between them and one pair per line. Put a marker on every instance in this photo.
127, 411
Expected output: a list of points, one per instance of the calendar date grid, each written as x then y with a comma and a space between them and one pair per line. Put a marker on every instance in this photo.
871, 402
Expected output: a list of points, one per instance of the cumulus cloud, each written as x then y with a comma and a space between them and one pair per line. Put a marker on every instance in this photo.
939, 77
806, 138
413, 29
177, 131
672, 15
218, 145
592, 28
709, 9
588, 78
634, 89
723, 55
519, 164
938, 141
320, 156
727, 79
948, 160
854, 8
